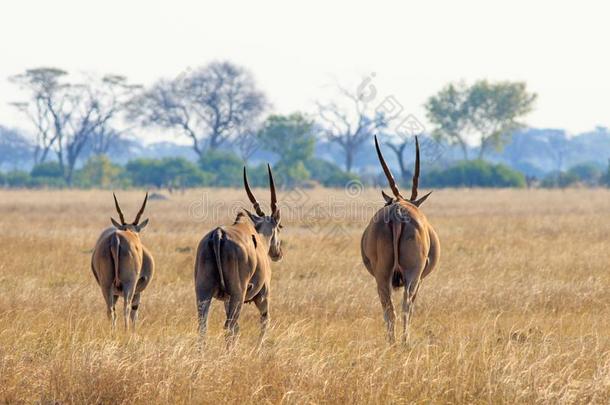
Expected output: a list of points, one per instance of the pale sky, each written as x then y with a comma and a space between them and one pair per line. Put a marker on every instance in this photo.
297, 49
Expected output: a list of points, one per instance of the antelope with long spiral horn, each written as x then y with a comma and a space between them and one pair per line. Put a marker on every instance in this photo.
233, 264
122, 266
399, 247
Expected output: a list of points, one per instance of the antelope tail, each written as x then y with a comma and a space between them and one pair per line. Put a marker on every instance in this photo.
115, 245
397, 227
216, 243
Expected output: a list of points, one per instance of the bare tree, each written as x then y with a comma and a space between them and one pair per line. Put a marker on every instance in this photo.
115, 93
351, 126
103, 138
67, 115
46, 101
94, 105
209, 105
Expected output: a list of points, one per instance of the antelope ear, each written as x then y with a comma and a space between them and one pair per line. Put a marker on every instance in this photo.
115, 223
420, 201
276, 215
142, 225
255, 218
387, 198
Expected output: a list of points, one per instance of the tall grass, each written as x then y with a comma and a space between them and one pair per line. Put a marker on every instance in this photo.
518, 311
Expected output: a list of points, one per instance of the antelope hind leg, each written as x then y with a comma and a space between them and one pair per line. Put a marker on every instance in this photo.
128, 294
111, 300
262, 304
408, 302
233, 309
203, 309
135, 304
385, 296
204, 292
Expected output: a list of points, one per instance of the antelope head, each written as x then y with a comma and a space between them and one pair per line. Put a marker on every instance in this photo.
397, 196
266, 225
136, 226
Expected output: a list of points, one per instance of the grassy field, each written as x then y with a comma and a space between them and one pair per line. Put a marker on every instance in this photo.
518, 311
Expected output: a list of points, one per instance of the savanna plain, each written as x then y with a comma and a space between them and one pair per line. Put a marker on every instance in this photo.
517, 312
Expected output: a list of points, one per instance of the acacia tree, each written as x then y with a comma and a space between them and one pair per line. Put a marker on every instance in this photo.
46, 101
448, 111
487, 113
209, 105
102, 139
495, 112
95, 106
114, 94
67, 115
351, 123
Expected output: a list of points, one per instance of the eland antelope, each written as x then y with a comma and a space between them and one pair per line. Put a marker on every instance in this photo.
233, 265
121, 265
399, 247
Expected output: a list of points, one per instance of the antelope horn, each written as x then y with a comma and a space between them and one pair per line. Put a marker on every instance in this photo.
137, 220
387, 171
118, 209
257, 206
272, 187
415, 172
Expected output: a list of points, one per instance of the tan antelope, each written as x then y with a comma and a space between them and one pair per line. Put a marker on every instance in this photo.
399, 247
121, 265
232, 264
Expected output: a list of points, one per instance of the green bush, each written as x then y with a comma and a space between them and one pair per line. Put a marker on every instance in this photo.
168, 172
48, 174
291, 138
605, 179
559, 179
328, 174
47, 170
46, 182
590, 173
17, 178
222, 168
179, 172
475, 173
99, 171
290, 174
145, 172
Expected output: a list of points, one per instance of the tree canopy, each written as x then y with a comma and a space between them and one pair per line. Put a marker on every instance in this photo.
485, 113
291, 138
210, 105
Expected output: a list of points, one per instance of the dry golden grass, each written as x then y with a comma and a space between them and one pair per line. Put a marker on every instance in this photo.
518, 312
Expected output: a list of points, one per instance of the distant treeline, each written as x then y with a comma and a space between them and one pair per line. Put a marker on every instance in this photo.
79, 133
225, 169
217, 169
